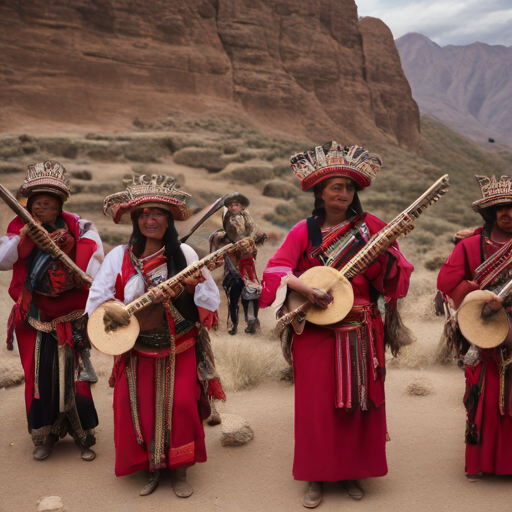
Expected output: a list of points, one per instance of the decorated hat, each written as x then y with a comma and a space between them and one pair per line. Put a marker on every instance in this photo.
146, 191
236, 197
332, 160
494, 193
46, 177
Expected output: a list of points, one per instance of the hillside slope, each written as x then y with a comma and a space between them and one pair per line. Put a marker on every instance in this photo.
466, 87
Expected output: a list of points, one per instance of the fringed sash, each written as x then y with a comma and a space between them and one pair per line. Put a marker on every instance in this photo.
355, 343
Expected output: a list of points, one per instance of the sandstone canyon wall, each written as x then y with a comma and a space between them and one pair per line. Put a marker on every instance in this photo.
306, 66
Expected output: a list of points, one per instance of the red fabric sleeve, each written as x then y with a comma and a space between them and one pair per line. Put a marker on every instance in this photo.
285, 260
460, 267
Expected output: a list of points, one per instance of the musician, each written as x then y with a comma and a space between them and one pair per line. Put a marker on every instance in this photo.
339, 370
46, 290
488, 431
240, 279
159, 403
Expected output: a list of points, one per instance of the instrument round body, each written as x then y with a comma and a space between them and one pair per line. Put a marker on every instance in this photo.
333, 282
483, 332
111, 342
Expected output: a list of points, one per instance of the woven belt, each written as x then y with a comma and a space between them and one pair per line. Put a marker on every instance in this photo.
52, 326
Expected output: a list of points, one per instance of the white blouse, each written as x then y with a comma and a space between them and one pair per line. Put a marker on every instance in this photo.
103, 288
9, 249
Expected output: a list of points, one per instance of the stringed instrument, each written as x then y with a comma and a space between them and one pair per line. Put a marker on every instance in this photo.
337, 282
113, 339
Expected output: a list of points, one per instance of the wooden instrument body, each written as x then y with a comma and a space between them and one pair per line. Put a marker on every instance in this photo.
112, 342
331, 281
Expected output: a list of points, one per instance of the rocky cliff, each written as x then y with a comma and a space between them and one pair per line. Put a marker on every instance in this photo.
289, 64
466, 87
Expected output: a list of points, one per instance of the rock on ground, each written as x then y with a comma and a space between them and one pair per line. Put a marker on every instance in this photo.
51, 504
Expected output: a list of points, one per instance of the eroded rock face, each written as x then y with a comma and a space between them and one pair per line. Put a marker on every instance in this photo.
288, 63
389, 89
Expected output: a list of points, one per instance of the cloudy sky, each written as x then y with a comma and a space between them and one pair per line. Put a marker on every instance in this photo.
457, 22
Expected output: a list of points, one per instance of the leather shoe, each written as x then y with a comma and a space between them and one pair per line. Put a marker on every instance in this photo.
181, 487
42, 451
314, 495
154, 479
354, 490
88, 454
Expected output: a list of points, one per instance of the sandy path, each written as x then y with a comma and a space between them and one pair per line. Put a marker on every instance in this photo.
425, 457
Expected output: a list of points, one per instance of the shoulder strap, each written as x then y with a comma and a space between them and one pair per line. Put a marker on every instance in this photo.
314, 231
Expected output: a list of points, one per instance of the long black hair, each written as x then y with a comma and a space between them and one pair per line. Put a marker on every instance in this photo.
176, 261
355, 207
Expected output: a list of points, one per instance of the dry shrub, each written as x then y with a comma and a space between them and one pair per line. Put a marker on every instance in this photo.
435, 263
415, 356
208, 158
11, 372
249, 173
244, 362
279, 189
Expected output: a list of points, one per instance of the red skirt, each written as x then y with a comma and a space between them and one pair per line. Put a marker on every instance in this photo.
331, 444
187, 434
493, 453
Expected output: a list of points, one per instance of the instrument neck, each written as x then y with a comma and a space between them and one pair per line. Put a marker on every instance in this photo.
377, 245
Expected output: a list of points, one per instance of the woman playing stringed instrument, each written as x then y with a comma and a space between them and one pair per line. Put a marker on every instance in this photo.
480, 265
340, 420
159, 403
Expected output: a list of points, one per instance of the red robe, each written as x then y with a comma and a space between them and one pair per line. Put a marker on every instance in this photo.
49, 309
492, 431
333, 441
190, 407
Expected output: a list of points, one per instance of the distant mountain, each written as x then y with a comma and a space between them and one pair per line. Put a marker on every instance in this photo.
467, 87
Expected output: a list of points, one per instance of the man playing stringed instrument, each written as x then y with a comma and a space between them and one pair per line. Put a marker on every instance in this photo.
159, 403
340, 419
48, 314
483, 261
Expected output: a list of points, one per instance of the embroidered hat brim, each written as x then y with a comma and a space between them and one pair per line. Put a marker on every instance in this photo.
145, 192
334, 160
495, 192
46, 177
236, 197
335, 172
488, 202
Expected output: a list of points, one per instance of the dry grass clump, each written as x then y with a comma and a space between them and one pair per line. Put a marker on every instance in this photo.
248, 173
11, 372
280, 189
244, 362
208, 158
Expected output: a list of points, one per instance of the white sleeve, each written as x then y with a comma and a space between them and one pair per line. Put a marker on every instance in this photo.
206, 294
8, 251
99, 255
104, 285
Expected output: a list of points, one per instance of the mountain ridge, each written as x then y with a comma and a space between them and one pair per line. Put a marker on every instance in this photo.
466, 87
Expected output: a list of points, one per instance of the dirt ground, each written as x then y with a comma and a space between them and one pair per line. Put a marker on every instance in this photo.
425, 458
